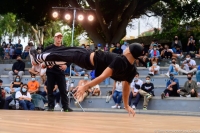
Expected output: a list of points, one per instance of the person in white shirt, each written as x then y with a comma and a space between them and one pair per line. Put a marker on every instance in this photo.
173, 68
135, 86
154, 69
117, 94
188, 66
24, 98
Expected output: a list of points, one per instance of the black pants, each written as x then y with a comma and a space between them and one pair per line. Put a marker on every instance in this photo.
167, 55
2, 101
137, 99
173, 92
58, 79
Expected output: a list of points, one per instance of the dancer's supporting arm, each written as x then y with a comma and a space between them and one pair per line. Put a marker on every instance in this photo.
126, 92
106, 73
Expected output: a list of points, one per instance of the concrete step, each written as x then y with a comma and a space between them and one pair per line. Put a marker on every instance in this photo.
157, 80
156, 103
140, 111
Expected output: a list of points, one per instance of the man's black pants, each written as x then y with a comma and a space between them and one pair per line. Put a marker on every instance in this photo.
59, 79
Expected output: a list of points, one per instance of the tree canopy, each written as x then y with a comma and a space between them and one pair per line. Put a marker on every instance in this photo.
111, 16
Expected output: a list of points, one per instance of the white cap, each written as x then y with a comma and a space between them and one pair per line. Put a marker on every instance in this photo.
58, 34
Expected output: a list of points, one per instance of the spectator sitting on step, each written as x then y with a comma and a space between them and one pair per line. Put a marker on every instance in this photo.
82, 83
198, 75
118, 49
178, 53
17, 68
69, 86
11, 52
7, 56
188, 66
106, 48
189, 89
135, 86
117, 94
191, 45
14, 86
77, 71
26, 51
18, 48
166, 53
33, 85
7, 52
154, 54
24, 98
176, 43
154, 69
2, 95
173, 68
124, 46
95, 90
172, 86
144, 56
147, 91
112, 47
38, 70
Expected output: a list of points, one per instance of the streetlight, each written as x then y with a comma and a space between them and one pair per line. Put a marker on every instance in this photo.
80, 17
90, 17
67, 16
55, 14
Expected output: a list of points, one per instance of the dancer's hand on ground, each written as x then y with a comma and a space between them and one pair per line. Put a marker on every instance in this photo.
130, 110
79, 92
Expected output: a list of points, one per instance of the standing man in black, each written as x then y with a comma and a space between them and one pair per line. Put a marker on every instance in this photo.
55, 75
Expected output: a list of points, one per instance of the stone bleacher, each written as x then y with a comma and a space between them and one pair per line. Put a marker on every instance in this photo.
156, 103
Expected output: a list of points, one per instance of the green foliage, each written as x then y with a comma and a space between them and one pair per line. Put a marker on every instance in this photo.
7, 24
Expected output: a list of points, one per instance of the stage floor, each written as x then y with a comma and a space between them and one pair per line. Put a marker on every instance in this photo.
80, 122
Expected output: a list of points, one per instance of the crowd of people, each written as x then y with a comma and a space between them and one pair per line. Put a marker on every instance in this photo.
22, 93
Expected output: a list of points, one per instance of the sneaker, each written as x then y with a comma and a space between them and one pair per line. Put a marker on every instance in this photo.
148, 96
76, 104
67, 110
162, 95
144, 108
57, 107
198, 83
151, 73
33, 54
119, 107
114, 107
167, 75
46, 105
188, 95
133, 107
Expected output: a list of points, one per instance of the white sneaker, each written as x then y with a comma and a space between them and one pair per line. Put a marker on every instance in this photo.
198, 83
57, 107
151, 73
114, 107
188, 95
167, 75
119, 107
133, 107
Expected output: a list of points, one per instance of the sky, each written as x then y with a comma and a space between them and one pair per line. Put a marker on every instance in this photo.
146, 23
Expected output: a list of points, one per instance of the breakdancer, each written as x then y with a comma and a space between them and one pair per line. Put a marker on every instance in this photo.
105, 64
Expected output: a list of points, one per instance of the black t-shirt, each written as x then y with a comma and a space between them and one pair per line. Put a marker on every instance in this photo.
147, 87
17, 84
122, 69
145, 50
117, 51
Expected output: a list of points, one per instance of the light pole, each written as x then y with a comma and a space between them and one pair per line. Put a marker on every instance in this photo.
67, 17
